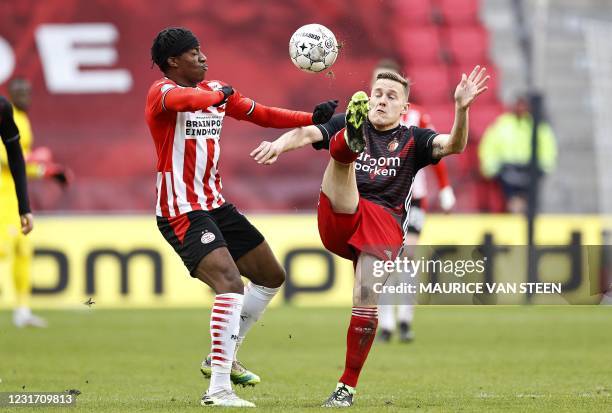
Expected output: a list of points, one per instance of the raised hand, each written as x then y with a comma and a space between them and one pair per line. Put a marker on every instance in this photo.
470, 87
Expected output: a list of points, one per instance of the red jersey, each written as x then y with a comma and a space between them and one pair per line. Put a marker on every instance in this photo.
186, 129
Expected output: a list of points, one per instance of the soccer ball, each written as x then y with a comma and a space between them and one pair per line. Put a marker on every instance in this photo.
313, 48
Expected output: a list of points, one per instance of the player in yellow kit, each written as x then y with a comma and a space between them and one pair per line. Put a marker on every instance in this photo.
14, 245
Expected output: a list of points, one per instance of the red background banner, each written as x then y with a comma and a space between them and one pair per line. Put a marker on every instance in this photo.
103, 138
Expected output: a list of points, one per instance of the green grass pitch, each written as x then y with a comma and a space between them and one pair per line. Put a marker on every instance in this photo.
464, 359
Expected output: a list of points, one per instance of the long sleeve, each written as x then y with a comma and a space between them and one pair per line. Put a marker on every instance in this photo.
18, 171
271, 117
10, 137
243, 108
189, 99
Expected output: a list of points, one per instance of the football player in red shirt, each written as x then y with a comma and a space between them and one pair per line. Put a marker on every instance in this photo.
185, 115
365, 195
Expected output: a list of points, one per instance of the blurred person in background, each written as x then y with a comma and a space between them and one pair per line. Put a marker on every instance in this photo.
18, 219
18, 250
505, 153
416, 116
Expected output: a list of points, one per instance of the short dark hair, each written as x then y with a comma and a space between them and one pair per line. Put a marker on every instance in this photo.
170, 42
396, 77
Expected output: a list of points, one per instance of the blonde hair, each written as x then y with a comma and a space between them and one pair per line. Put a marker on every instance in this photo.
396, 77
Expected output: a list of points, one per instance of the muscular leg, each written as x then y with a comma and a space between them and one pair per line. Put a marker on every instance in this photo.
340, 186
364, 320
261, 267
339, 182
218, 270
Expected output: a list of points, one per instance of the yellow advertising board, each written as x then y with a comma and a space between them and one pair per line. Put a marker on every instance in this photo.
123, 261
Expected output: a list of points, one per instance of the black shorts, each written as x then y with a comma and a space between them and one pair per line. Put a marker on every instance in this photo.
195, 234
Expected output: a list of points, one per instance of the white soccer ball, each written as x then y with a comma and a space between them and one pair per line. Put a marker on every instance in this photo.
313, 48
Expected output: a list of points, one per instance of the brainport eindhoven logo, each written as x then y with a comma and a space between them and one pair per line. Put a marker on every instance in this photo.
207, 237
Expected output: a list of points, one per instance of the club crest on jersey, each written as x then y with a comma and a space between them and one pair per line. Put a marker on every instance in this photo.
207, 237
392, 146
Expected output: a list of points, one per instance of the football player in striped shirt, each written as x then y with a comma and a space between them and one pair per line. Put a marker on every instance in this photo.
366, 191
185, 115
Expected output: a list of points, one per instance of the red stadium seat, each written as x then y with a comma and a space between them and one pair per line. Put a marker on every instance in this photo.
458, 12
467, 44
429, 84
419, 45
442, 116
413, 11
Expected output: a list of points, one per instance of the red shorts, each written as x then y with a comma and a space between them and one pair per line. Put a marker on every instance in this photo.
371, 229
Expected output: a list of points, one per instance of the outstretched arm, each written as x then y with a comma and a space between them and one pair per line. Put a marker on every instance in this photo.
242, 108
268, 152
467, 90
188, 99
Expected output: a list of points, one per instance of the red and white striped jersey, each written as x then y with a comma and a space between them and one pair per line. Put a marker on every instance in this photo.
187, 145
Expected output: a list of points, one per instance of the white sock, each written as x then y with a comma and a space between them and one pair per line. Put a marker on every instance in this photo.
224, 326
405, 313
256, 299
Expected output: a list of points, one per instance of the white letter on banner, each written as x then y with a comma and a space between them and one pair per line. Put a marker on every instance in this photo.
7, 60
65, 49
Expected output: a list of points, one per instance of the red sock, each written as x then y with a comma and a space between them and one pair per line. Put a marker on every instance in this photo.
339, 150
359, 338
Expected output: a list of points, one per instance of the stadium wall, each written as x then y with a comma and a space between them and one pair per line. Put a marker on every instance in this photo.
122, 261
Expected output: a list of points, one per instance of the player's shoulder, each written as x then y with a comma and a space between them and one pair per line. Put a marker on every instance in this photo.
161, 86
422, 134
